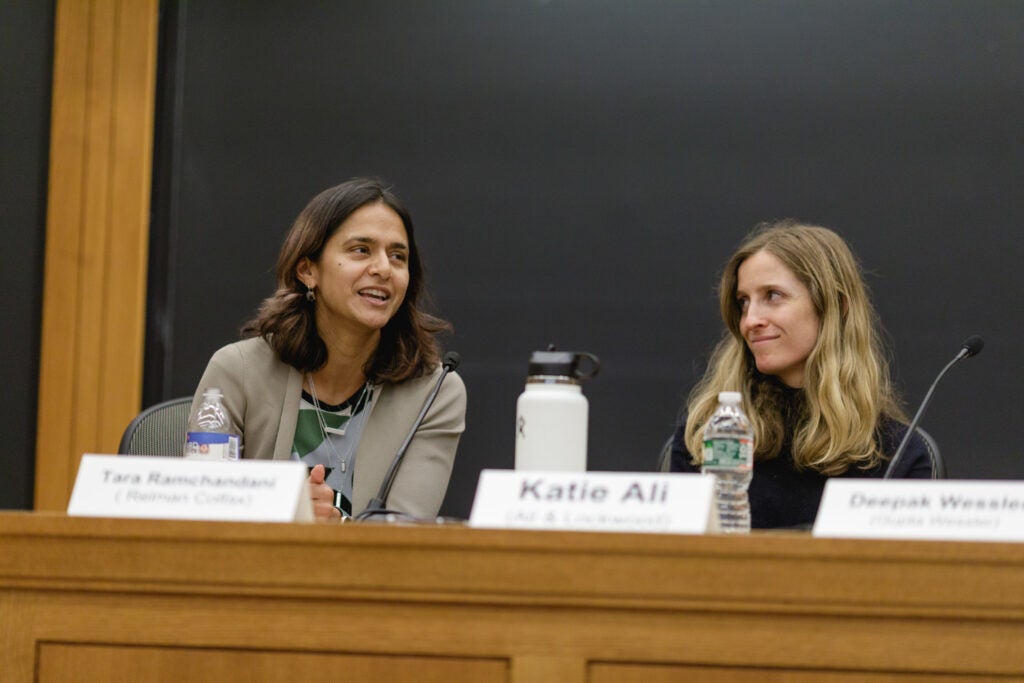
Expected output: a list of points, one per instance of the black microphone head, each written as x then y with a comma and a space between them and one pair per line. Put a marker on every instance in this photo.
451, 360
974, 344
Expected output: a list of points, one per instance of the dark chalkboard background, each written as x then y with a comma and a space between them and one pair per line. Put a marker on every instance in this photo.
579, 170
26, 45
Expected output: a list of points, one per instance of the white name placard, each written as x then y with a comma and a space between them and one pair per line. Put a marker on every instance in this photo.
907, 509
175, 488
595, 501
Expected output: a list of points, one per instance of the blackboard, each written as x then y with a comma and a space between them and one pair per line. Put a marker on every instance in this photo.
26, 45
579, 170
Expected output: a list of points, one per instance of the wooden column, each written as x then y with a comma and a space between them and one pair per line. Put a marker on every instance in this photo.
93, 322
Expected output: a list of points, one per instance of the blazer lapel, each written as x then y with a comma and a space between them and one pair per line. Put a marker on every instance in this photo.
289, 416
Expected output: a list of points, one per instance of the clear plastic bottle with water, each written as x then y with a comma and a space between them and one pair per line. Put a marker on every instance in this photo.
729, 455
209, 434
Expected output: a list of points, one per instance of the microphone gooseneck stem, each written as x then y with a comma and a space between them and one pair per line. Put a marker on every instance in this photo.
964, 353
376, 504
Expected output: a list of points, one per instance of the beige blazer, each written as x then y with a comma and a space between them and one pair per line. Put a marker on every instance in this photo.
262, 394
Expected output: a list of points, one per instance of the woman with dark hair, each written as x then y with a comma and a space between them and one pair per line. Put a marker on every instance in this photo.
338, 363
803, 346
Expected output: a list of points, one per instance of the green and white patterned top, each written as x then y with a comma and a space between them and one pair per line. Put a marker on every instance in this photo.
335, 449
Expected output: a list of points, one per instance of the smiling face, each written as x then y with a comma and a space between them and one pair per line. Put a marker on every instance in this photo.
362, 274
778, 320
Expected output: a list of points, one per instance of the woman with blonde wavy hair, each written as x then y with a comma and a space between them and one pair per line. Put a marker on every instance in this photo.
803, 346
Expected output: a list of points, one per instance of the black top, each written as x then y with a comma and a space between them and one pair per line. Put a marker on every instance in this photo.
782, 496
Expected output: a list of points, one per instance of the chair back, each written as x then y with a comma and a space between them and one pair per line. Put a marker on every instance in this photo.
938, 466
158, 430
665, 455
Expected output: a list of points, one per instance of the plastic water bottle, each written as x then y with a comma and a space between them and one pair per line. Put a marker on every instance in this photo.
729, 455
209, 433
552, 413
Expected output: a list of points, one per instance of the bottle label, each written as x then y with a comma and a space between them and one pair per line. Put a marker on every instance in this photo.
212, 446
728, 453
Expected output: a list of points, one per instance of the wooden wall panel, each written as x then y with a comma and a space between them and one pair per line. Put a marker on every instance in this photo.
90, 379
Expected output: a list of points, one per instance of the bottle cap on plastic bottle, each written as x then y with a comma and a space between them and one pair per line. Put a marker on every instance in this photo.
730, 397
212, 392
553, 363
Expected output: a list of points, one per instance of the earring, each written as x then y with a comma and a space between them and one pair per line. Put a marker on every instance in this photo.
310, 294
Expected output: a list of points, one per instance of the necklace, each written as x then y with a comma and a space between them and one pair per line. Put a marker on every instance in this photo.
340, 431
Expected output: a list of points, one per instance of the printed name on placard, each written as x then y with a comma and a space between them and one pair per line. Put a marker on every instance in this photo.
540, 488
176, 488
594, 501
925, 510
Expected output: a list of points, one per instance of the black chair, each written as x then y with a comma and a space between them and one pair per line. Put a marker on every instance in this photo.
665, 455
934, 455
158, 430
938, 466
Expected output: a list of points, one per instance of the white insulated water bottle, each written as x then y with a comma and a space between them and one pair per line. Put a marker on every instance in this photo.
552, 413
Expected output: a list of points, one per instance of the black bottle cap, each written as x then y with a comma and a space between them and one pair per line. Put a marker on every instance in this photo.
574, 364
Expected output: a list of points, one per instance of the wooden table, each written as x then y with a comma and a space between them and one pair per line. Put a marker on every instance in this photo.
136, 600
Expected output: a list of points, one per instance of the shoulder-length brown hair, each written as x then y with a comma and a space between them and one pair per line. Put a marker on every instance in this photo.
408, 347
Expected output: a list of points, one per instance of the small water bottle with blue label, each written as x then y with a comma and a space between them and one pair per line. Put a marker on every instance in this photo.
729, 455
209, 434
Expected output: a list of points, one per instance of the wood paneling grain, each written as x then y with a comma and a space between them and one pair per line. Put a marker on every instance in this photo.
93, 321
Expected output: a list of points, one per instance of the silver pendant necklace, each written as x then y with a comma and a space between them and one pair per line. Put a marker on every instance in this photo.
340, 431
327, 431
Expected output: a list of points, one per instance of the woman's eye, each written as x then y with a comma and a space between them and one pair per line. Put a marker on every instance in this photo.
399, 256
742, 303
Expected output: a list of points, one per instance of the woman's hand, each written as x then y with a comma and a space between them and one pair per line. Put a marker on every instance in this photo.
323, 497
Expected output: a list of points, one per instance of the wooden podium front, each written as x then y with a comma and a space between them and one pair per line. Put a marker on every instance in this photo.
134, 600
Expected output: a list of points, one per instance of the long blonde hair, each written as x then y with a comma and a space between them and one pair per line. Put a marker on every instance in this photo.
847, 386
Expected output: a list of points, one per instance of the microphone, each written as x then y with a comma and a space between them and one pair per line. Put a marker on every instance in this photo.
376, 504
972, 346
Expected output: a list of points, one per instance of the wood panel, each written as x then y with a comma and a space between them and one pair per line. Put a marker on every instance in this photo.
59, 662
615, 673
537, 606
93, 320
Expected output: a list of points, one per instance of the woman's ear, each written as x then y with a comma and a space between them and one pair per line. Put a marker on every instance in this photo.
306, 272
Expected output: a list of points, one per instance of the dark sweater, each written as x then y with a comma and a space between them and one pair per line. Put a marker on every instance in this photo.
782, 496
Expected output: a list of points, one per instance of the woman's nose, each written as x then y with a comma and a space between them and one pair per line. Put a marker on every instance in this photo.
380, 265
752, 317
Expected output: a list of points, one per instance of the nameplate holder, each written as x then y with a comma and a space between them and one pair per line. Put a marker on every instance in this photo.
926, 510
595, 501
149, 487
